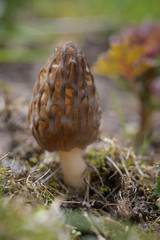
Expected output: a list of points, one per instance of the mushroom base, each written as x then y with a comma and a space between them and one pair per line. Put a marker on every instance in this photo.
73, 167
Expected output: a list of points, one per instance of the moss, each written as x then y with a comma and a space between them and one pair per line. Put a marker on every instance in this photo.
34, 160
96, 158
54, 184
42, 156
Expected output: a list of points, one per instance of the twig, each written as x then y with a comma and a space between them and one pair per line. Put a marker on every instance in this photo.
113, 191
87, 190
45, 187
61, 194
96, 170
113, 175
86, 200
9, 171
96, 191
34, 170
6, 155
114, 165
42, 176
51, 175
68, 202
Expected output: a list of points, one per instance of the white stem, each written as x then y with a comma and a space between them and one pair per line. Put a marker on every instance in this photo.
73, 167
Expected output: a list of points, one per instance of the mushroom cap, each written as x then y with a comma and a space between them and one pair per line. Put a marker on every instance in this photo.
65, 111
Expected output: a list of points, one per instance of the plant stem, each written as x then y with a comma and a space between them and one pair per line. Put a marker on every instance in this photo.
145, 123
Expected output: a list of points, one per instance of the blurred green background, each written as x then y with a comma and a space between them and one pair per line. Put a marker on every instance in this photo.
31, 29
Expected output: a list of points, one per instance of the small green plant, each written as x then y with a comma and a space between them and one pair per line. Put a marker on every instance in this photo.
134, 60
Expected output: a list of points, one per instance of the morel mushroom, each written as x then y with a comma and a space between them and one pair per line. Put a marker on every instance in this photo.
65, 113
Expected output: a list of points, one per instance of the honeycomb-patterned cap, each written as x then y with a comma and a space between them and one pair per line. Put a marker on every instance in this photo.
65, 111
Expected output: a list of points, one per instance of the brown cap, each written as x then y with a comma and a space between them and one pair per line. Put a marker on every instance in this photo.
65, 112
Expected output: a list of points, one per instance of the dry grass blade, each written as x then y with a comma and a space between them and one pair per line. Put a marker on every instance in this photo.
6, 155
114, 165
124, 165
138, 168
43, 175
